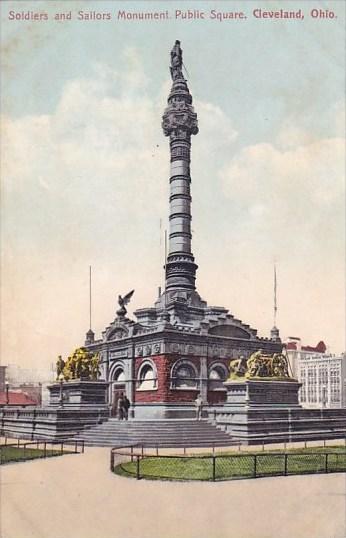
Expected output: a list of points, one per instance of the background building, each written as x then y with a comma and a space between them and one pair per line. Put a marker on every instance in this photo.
31, 382
323, 375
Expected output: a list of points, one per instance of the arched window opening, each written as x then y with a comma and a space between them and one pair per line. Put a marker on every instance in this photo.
184, 376
217, 375
119, 375
146, 378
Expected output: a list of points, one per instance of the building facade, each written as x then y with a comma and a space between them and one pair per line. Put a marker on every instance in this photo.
323, 375
180, 346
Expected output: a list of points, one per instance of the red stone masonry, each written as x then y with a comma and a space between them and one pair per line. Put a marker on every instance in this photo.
216, 397
164, 392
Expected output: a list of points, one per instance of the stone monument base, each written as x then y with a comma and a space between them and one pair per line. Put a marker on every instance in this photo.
268, 411
78, 394
74, 406
260, 392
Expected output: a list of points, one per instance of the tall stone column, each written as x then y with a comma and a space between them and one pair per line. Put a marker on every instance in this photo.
179, 122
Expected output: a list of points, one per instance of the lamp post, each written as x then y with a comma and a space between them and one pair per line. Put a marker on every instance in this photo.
7, 386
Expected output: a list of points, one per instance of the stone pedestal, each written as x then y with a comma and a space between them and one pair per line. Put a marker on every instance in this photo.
264, 410
268, 410
252, 393
79, 394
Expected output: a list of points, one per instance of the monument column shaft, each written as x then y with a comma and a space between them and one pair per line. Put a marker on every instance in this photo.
180, 198
179, 122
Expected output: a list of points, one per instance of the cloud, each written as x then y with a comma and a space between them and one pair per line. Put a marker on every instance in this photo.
87, 184
292, 199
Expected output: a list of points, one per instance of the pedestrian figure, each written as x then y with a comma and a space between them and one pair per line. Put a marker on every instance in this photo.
121, 407
199, 404
126, 407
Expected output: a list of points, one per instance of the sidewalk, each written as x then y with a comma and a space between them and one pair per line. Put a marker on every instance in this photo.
76, 496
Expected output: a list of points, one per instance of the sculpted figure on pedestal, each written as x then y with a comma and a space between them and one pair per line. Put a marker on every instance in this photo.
260, 364
60, 365
122, 301
176, 61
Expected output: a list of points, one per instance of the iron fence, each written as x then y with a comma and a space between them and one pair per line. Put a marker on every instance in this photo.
137, 462
23, 450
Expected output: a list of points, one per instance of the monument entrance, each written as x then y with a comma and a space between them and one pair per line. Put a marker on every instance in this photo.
118, 390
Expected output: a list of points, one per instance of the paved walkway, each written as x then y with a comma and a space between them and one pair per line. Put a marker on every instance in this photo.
76, 496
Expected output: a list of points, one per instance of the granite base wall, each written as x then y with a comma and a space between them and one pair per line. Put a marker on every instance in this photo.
49, 423
250, 426
165, 411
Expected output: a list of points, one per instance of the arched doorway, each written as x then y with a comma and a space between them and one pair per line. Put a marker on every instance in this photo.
118, 388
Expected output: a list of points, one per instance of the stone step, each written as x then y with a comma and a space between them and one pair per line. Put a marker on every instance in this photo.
146, 425
91, 435
153, 430
164, 433
210, 440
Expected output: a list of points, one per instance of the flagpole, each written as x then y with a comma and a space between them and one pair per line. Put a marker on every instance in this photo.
90, 297
275, 298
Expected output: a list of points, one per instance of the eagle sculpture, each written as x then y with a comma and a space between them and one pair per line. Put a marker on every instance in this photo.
122, 301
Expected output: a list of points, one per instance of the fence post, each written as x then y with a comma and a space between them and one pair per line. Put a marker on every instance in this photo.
45, 449
18, 442
62, 448
131, 453
214, 466
0, 455
112, 461
262, 446
326, 467
286, 456
5, 440
82, 446
24, 447
75, 447
184, 450
142, 451
137, 468
157, 450
255, 466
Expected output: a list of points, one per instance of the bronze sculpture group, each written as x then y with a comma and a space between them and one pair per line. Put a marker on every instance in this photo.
80, 365
260, 365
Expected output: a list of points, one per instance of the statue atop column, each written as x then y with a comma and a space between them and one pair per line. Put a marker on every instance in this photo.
179, 118
176, 61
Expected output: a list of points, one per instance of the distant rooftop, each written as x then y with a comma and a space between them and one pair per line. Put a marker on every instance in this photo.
320, 348
15, 398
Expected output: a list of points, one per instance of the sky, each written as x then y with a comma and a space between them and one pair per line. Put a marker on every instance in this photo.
85, 167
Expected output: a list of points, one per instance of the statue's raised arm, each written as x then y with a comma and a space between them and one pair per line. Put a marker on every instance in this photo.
176, 61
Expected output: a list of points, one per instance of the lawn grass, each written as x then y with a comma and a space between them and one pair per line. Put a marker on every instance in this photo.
11, 454
237, 465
